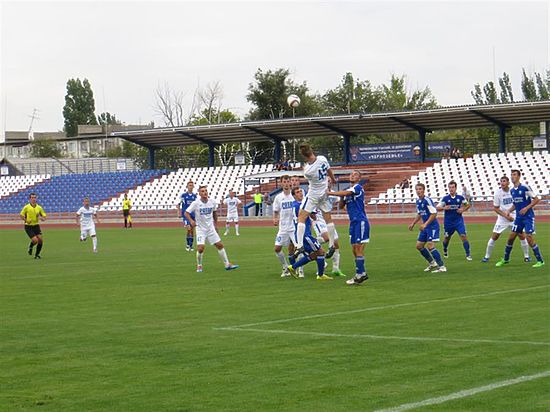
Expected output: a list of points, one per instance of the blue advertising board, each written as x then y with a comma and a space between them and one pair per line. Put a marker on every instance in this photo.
385, 153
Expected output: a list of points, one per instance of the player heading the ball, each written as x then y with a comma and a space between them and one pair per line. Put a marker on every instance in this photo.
320, 177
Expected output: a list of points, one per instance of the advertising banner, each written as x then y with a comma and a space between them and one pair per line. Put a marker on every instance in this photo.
386, 153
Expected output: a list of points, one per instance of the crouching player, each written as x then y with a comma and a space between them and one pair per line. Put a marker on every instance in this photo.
353, 199
85, 216
205, 221
311, 247
429, 230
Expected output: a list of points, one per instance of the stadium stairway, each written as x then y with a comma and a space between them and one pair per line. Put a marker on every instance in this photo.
65, 193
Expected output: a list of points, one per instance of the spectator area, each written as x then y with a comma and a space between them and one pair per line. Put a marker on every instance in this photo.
65, 193
10, 185
164, 193
479, 174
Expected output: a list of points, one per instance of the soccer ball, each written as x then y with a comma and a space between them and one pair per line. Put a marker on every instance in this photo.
293, 101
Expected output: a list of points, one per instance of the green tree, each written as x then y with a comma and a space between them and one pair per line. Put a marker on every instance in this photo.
107, 118
268, 94
528, 87
79, 106
395, 96
45, 148
506, 95
351, 96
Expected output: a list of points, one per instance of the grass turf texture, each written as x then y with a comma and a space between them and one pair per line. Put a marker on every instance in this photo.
135, 328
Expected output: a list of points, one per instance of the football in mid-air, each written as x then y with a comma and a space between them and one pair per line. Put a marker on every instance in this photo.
293, 101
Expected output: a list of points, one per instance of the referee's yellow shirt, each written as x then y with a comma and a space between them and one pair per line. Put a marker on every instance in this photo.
31, 214
126, 204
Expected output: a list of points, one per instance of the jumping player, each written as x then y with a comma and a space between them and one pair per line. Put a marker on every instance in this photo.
232, 202
318, 174
454, 206
283, 216
429, 230
85, 217
502, 203
353, 199
31, 214
311, 247
205, 220
524, 202
186, 199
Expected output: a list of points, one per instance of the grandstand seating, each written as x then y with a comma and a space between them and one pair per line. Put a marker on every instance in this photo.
65, 193
479, 174
164, 193
13, 184
55, 167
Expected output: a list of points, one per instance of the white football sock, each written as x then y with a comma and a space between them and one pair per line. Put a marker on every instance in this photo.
525, 247
301, 230
199, 258
331, 233
94, 242
224, 257
336, 260
490, 246
237, 228
282, 259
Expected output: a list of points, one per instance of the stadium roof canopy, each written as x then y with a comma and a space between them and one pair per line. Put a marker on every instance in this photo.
425, 121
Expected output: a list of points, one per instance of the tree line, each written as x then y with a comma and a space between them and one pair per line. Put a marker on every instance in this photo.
267, 94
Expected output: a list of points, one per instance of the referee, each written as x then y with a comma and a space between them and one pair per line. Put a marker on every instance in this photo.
31, 214
126, 206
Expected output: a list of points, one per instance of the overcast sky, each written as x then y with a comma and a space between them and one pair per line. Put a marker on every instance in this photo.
127, 48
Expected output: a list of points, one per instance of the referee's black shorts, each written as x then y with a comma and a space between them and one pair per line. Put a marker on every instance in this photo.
32, 230
126, 212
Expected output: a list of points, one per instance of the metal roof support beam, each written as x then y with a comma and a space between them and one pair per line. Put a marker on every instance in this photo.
151, 157
338, 130
421, 135
276, 141
501, 129
211, 154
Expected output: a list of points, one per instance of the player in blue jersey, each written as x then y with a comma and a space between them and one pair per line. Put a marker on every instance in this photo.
353, 199
454, 206
312, 249
186, 199
524, 202
429, 230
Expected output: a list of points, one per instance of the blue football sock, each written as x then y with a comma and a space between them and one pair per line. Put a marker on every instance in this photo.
303, 261
320, 265
190, 241
437, 256
507, 251
445, 246
360, 265
537, 253
466, 245
424, 252
291, 259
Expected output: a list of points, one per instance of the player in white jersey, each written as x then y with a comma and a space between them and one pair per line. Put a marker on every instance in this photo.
85, 217
502, 202
283, 216
321, 232
205, 221
232, 203
320, 177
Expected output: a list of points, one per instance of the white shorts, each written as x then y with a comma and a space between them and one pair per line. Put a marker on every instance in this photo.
211, 236
87, 231
284, 238
321, 227
232, 218
502, 226
312, 202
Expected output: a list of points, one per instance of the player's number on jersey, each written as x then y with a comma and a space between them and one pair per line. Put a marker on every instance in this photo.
323, 172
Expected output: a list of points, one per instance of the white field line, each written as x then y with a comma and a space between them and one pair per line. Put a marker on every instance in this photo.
395, 306
382, 337
466, 393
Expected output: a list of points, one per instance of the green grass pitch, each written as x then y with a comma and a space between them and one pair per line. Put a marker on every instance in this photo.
135, 328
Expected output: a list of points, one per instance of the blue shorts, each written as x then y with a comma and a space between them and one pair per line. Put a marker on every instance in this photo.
359, 232
458, 227
311, 244
524, 223
185, 221
430, 234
